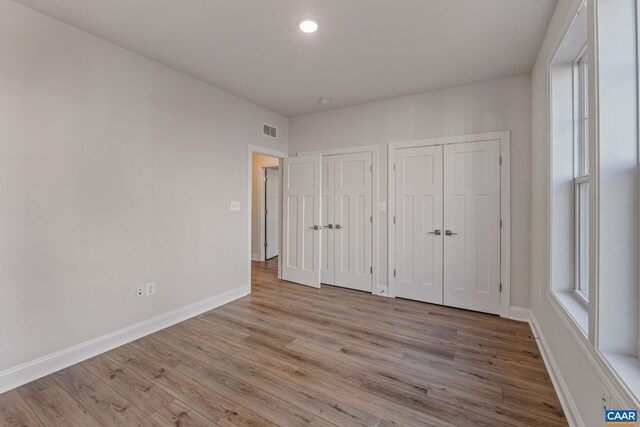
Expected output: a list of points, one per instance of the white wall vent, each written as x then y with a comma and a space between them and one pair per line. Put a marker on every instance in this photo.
270, 131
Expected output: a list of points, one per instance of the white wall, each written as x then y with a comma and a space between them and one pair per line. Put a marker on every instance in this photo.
482, 107
258, 162
114, 171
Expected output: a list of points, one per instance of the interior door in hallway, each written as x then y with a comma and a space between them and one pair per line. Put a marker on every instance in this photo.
272, 212
472, 226
353, 221
419, 231
301, 219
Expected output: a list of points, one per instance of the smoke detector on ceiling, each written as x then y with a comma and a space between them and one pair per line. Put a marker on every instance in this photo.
325, 101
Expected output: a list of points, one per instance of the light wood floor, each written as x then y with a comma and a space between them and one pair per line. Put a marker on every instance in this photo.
291, 355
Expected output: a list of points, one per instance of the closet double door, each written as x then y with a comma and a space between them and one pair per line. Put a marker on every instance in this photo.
347, 222
448, 225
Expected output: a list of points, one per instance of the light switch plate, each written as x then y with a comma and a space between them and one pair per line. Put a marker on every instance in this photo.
235, 206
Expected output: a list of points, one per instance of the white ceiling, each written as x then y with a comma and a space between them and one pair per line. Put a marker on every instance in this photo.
365, 50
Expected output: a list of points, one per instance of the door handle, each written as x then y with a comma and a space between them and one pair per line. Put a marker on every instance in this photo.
436, 232
450, 233
339, 227
330, 226
316, 227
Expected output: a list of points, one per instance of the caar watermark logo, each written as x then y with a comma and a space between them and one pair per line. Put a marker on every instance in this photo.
621, 417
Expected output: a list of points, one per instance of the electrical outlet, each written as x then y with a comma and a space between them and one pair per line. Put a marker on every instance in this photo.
140, 291
150, 288
234, 206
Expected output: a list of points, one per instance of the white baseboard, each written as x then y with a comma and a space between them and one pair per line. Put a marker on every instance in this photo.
519, 313
564, 395
255, 257
43, 366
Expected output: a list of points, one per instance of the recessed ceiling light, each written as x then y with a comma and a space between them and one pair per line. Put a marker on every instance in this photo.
308, 25
325, 101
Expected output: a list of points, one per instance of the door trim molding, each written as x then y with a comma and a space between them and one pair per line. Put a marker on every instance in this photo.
248, 255
505, 204
376, 287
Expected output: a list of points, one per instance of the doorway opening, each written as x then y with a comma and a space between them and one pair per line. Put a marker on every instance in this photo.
264, 213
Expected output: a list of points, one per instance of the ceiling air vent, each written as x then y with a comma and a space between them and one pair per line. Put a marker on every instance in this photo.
270, 131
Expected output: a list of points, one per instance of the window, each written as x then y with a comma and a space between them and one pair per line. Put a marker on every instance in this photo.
581, 175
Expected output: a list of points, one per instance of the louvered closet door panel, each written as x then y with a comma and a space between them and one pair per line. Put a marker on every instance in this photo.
472, 214
353, 227
328, 235
419, 249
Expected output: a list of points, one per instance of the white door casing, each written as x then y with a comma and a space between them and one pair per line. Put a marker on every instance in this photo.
301, 219
472, 226
328, 235
353, 221
419, 224
272, 211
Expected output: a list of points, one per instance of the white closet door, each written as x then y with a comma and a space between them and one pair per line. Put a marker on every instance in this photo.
419, 231
472, 221
327, 257
353, 227
272, 219
301, 220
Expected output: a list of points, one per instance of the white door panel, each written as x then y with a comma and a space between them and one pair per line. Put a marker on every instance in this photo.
419, 247
472, 218
327, 257
353, 227
272, 221
301, 242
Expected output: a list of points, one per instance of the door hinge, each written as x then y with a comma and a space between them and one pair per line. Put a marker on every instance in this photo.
394, 167
394, 219
371, 219
266, 178
394, 272
266, 212
500, 287
371, 270
500, 160
266, 244
500, 224
371, 168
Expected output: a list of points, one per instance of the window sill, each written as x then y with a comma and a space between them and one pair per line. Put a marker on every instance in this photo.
627, 369
575, 308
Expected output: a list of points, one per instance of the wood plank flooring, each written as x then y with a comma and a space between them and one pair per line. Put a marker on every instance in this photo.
290, 355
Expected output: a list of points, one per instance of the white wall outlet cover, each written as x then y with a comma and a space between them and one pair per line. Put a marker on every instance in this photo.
234, 206
382, 206
140, 291
150, 288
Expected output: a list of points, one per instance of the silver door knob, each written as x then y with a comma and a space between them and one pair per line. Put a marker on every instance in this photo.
339, 227
436, 232
316, 227
450, 233
330, 226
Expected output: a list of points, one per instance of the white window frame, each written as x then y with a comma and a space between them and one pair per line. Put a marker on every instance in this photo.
638, 163
581, 171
